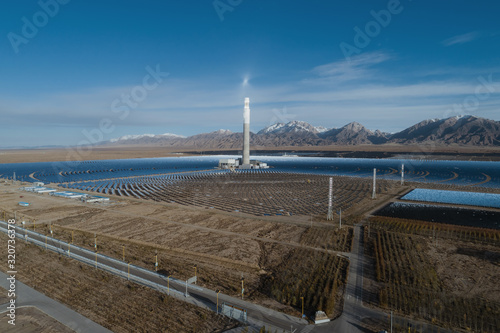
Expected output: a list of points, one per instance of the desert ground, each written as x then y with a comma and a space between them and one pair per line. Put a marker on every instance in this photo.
33, 320
452, 152
225, 246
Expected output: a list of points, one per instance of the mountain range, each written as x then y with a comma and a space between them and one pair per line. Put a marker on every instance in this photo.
461, 130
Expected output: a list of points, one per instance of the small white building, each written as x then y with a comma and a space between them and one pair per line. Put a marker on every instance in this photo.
70, 195
38, 184
228, 163
94, 198
39, 189
237, 163
320, 317
258, 164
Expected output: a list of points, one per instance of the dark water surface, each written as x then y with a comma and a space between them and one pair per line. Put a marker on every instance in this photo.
442, 214
484, 174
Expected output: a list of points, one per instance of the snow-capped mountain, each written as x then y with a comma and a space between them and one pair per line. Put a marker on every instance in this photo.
454, 130
292, 127
354, 134
463, 130
223, 132
321, 129
143, 136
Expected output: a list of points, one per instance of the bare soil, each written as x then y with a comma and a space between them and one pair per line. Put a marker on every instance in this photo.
114, 303
454, 152
466, 268
32, 320
224, 246
3, 296
453, 271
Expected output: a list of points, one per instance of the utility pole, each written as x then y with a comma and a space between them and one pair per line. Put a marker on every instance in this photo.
156, 261
402, 174
195, 278
168, 284
329, 216
123, 248
217, 291
374, 195
391, 321
242, 288
95, 242
302, 298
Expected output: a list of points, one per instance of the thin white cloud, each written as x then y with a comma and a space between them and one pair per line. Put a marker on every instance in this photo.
180, 103
461, 39
189, 106
358, 67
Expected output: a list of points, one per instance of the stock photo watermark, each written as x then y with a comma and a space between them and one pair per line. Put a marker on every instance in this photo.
121, 107
482, 92
471, 103
223, 6
11, 264
281, 116
31, 26
372, 29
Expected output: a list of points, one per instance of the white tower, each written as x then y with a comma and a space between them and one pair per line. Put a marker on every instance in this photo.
402, 174
329, 216
246, 132
374, 195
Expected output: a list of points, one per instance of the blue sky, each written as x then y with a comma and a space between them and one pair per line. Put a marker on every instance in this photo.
67, 67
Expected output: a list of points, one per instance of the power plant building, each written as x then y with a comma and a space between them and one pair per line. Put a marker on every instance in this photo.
234, 163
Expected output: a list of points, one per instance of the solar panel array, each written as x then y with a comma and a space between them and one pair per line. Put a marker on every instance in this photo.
256, 192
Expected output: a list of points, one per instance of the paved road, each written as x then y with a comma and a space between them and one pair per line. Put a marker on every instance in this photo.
354, 311
26, 296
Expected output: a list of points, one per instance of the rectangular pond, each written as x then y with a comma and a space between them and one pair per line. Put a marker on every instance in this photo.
454, 197
442, 214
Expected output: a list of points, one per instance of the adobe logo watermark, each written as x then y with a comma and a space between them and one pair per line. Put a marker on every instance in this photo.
372, 29
30, 28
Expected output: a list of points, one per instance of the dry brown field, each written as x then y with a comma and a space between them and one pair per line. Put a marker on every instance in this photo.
224, 245
134, 151
104, 298
32, 320
445, 274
